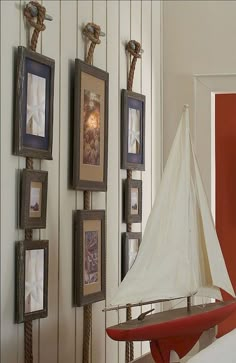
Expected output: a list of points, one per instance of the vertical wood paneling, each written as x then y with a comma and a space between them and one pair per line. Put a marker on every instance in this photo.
113, 196
59, 338
146, 90
9, 180
67, 332
157, 130
24, 33
36, 234
85, 12
49, 326
125, 36
136, 34
99, 199
156, 107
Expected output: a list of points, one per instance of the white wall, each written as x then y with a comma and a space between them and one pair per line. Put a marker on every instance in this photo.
58, 338
199, 38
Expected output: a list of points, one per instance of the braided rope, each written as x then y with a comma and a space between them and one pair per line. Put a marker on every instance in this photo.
92, 32
87, 332
87, 308
28, 324
127, 352
93, 37
28, 342
134, 48
129, 348
136, 54
29, 163
28, 234
38, 27
87, 199
129, 174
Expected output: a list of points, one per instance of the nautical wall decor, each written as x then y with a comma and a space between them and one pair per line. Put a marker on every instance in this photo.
34, 105
133, 201
133, 130
90, 127
129, 250
33, 209
33, 136
132, 158
90, 263
31, 280
90, 146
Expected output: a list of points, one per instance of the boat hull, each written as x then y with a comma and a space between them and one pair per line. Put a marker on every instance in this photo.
177, 329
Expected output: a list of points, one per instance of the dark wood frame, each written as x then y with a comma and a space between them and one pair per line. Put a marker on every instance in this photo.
77, 182
25, 144
29, 176
20, 249
125, 250
128, 217
128, 160
80, 299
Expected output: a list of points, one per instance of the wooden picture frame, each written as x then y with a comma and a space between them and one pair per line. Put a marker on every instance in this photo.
133, 201
33, 210
129, 250
31, 290
133, 130
90, 147
89, 257
33, 132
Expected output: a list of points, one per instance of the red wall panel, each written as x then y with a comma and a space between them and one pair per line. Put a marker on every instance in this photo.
225, 141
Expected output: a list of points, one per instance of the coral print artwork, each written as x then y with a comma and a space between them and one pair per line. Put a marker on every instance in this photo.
91, 136
91, 257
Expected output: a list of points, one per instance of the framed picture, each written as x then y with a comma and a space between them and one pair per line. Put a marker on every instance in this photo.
33, 199
31, 280
133, 130
34, 105
89, 263
129, 250
133, 201
90, 128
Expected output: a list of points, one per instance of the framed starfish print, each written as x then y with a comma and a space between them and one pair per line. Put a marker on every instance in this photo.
133, 126
34, 105
129, 250
31, 280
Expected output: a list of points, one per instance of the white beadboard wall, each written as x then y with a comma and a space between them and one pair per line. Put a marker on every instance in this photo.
58, 338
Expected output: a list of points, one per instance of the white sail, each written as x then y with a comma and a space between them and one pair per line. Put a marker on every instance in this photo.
180, 253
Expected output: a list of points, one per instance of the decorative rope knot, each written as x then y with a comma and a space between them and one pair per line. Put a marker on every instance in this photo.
92, 31
40, 16
134, 48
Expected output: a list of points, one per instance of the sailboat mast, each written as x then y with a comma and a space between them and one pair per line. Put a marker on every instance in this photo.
186, 109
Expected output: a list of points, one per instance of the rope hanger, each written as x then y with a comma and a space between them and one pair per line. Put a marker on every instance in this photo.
92, 32
135, 50
32, 9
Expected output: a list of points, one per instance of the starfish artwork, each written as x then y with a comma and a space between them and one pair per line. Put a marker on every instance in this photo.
34, 276
134, 131
36, 96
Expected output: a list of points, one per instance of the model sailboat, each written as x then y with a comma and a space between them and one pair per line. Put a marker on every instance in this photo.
179, 256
